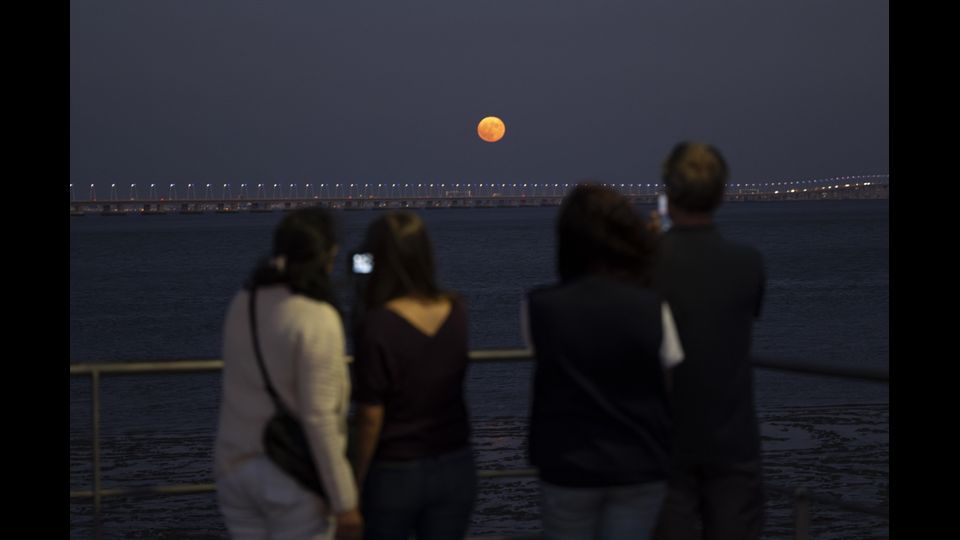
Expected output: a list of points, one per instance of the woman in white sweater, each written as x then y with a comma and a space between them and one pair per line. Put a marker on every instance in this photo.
302, 345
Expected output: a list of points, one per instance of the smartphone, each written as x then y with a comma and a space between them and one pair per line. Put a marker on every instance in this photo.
362, 263
662, 210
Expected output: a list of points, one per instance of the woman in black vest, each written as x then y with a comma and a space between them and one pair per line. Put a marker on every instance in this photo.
604, 343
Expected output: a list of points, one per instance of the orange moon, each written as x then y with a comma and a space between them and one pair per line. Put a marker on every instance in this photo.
491, 129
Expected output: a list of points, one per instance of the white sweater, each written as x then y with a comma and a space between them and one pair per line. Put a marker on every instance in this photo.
302, 344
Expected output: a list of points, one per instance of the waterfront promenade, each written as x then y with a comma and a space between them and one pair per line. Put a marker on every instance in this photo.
795, 507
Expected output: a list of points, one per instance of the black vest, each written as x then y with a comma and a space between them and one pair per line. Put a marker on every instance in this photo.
610, 331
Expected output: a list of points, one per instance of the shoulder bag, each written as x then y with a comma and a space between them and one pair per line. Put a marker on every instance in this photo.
284, 440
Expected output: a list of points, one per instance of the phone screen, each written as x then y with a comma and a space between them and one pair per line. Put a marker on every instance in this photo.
362, 263
662, 210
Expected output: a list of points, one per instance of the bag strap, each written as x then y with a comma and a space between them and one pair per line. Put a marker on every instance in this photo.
597, 396
256, 349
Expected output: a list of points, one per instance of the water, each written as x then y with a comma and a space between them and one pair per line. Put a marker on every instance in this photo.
156, 288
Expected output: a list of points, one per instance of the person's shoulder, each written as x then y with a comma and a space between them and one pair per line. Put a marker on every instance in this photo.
318, 310
378, 322
543, 291
238, 306
238, 298
458, 303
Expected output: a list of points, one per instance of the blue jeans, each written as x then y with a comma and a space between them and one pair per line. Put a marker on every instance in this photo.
431, 497
607, 513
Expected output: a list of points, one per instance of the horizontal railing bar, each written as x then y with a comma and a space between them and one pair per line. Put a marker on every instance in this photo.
833, 371
833, 501
501, 355
147, 490
163, 366
202, 488
483, 355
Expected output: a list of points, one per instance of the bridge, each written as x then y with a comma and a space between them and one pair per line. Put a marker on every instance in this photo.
430, 196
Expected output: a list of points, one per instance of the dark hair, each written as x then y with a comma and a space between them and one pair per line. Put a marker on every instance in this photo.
600, 231
694, 175
304, 240
402, 259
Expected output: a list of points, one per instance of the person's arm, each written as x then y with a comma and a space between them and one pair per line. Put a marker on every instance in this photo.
371, 383
321, 378
368, 419
671, 351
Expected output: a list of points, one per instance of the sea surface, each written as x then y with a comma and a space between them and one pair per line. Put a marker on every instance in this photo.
156, 288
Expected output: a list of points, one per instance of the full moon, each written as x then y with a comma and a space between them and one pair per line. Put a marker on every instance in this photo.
491, 129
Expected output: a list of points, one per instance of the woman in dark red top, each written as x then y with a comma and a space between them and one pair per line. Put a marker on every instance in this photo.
412, 456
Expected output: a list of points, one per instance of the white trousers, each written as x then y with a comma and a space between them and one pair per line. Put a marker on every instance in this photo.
259, 502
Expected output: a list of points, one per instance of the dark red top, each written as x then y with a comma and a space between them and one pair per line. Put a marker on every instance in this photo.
419, 379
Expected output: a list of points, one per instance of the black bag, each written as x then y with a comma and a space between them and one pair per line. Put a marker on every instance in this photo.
284, 440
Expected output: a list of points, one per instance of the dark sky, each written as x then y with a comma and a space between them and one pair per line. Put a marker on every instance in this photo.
322, 91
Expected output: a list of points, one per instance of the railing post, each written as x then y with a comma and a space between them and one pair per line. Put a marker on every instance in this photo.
96, 448
801, 514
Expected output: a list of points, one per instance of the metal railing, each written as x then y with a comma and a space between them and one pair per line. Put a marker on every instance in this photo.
800, 495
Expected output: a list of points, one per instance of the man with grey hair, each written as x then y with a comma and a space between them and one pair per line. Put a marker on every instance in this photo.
715, 288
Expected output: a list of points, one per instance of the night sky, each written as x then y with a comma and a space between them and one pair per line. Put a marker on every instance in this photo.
322, 91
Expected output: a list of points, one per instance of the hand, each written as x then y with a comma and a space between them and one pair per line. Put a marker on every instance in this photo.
653, 224
349, 525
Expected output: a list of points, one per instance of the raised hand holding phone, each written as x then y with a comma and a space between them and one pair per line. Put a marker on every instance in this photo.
662, 213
